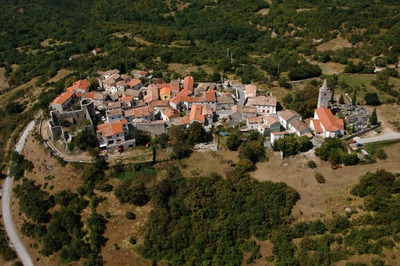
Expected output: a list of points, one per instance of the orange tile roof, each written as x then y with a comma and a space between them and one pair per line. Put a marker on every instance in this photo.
162, 85
165, 90
270, 120
176, 99
189, 83
317, 125
63, 97
279, 133
111, 129
81, 84
158, 103
134, 82
255, 119
126, 98
138, 112
327, 119
210, 96
183, 120
195, 114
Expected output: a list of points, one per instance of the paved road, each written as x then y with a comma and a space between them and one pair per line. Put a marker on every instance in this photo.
7, 218
388, 136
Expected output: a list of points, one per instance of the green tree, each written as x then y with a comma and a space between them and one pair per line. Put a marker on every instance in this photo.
371, 98
141, 137
373, 119
354, 98
196, 133
341, 99
233, 142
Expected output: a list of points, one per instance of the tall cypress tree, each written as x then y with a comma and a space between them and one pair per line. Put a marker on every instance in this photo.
373, 119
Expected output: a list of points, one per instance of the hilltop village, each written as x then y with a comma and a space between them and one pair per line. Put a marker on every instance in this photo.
123, 102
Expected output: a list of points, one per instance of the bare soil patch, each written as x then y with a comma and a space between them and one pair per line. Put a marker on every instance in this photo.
335, 44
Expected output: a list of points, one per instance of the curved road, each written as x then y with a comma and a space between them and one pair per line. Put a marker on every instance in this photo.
7, 218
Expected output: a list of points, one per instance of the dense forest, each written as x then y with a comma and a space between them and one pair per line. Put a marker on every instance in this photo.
152, 34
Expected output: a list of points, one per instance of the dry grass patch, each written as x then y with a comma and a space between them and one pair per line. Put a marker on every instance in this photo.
185, 69
3, 79
204, 163
118, 250
321, 200
335, 44
263, 11
331, 68
66, 177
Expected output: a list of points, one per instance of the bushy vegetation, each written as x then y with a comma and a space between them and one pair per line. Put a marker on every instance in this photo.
302, 101
19, 165
331, 150
293, 144
6, 252
206, 219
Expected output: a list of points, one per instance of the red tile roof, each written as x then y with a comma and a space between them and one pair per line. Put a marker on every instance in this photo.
165, 90
126, 98
317, 125
133, 82
63, 97
210, 96
327, 119
255, 119
158, 103
79, 85
111, 129
189, 83
196, 113
138, 112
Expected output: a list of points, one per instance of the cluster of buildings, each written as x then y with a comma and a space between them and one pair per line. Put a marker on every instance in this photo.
267, 121
123, 102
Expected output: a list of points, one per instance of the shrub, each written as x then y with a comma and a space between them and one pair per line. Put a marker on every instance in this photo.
381, 154
311, 164
133, 240
320, 178
130, 216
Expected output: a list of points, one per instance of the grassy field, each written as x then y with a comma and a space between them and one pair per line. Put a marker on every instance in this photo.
363, 83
